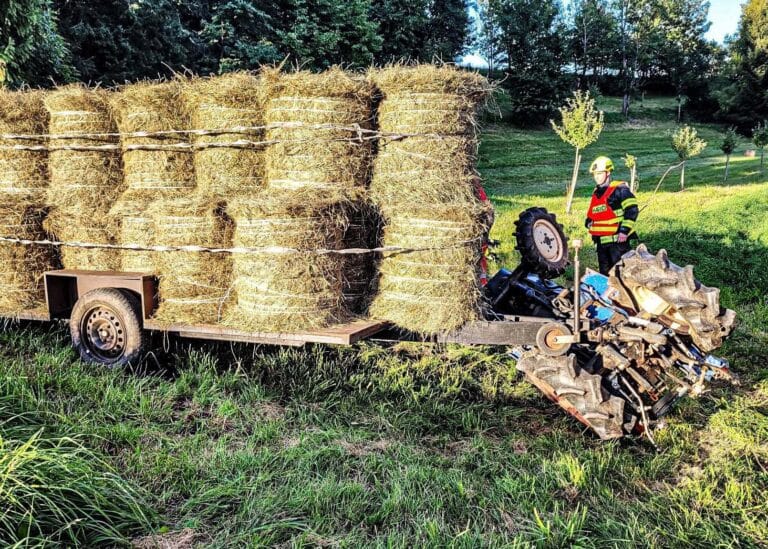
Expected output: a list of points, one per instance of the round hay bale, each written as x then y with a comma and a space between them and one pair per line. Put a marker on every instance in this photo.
314, 120
194, 286
23, 173
426, 99
22, 267
424, 170
154, 107
132, 224
231, 101
436, 290
292, 291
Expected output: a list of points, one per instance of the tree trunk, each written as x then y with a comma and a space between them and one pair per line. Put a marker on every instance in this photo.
625, 105
574, 179
682, 178
633, 179
727, 166
762, 159
679, 109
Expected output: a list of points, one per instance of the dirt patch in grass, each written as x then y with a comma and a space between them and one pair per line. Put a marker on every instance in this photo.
183, 539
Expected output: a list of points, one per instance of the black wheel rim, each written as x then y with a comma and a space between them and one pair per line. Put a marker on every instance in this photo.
103, 334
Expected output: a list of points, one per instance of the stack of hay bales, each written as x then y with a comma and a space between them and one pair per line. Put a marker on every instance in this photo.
84, 184
227, 102
23, 178
422, 185
317, 168
156, 167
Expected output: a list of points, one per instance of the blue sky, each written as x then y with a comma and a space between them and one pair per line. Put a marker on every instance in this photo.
724, 15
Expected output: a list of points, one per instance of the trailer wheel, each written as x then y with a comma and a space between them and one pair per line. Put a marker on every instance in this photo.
541, 243
106, 328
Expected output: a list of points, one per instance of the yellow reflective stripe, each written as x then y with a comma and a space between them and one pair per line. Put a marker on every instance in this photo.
608, 239
628, 223
619, 212
629, 202
612, 221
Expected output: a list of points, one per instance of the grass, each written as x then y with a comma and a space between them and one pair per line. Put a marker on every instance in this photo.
403, 446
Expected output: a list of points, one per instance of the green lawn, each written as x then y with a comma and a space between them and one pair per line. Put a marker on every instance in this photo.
243, 446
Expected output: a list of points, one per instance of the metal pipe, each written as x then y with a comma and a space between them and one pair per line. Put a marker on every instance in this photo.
576, 244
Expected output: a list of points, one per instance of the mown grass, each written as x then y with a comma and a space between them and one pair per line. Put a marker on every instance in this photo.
406, 446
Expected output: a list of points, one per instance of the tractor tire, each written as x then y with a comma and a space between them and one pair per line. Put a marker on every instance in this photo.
578, 392
695, 308
106, 328
541, 242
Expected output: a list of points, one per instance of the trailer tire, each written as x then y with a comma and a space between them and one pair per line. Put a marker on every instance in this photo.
541, 242
106, 328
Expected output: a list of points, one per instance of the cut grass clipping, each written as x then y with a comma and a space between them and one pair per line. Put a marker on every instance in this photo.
193, 285
23, 174
422, 184
84, 184
229, 101
307, 156
291, 291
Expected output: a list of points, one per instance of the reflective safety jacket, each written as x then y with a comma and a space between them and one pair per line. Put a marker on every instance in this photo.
613, 210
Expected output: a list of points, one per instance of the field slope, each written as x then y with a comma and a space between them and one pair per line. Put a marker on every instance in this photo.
233, 446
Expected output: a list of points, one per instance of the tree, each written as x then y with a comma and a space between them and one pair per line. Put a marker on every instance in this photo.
687, 145
31, 48
581, 126
730, 141
487, 39
321, 33
448, 29
530, 35
593, 38
745, 95
630, 161
402, 26
240, 35
114, 41
760, 139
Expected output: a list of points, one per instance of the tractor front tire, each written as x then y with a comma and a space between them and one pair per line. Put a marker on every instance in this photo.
541, 242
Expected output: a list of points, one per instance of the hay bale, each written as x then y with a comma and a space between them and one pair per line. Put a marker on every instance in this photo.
287, 292
23, 174
425, 99
229, 101
436, 290
22, 266
84, 184
132, 224
309, 158
193, 285
154, 107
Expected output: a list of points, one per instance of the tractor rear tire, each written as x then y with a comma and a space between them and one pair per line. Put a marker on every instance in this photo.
541, 242
699, 305
578, 392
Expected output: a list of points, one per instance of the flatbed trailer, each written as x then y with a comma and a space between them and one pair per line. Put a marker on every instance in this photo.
68, 293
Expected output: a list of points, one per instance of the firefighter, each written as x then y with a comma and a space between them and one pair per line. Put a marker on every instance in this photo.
611, 216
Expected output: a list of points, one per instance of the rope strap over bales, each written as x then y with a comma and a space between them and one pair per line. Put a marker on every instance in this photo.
277, 250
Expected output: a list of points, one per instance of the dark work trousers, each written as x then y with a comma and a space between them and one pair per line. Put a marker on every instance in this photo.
609, 254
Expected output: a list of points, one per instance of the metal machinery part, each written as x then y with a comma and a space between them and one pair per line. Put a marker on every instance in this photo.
647, 331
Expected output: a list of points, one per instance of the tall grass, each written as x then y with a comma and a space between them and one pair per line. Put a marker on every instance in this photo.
54, 491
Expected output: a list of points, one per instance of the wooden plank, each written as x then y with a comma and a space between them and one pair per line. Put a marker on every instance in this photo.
38, 316
343, 334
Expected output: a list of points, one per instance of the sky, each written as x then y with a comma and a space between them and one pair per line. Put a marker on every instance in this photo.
724, 15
